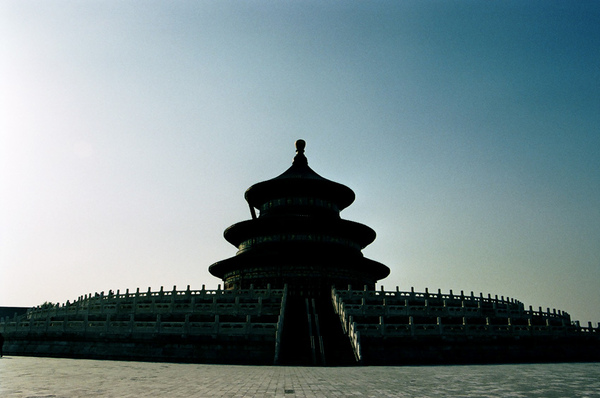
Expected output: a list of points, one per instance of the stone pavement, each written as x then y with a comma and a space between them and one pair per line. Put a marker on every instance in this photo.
59, 378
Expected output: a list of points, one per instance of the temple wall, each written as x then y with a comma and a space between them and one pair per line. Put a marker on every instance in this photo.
210, 326
394, 327
246, 327
224, 349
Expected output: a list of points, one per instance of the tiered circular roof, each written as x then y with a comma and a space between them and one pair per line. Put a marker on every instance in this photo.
299, 224
299, 180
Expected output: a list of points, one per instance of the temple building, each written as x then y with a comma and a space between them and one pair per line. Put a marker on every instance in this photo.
298, 237
299, 291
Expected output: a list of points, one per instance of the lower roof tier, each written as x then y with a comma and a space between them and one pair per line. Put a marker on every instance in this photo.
300, 268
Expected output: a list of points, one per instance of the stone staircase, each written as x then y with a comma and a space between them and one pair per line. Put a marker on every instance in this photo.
313, 335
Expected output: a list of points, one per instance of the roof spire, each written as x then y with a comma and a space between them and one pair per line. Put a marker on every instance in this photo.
300, 159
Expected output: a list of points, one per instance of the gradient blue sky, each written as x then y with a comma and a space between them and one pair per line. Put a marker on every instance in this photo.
469, 130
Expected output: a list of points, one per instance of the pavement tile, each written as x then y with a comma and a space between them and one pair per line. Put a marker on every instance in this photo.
22, 377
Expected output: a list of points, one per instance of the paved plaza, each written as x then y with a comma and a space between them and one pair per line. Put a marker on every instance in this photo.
59, 378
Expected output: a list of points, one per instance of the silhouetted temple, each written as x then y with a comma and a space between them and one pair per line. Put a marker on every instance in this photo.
298, 238
299, 291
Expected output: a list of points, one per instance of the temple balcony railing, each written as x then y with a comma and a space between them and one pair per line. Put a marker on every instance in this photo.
354, 335
82, 315
416, 329
254, 301
117, 328
517, 322
403, 298
409, 303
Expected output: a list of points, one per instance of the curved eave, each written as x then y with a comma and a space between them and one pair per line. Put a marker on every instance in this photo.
299, 181
359, 233
361, 264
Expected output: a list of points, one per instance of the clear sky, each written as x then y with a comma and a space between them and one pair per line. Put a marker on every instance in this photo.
469, 130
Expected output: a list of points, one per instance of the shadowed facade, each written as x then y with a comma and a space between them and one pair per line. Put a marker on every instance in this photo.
299, 292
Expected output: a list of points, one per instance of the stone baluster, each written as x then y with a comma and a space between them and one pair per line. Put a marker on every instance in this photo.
173, 296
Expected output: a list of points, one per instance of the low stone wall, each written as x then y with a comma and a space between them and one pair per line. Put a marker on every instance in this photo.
174, 348
429, 350
207, 326
421, 327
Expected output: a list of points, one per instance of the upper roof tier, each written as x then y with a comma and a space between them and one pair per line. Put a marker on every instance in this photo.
299, 181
